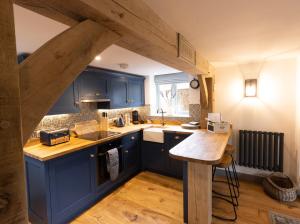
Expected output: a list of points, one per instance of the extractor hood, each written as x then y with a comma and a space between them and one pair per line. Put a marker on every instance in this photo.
94, 100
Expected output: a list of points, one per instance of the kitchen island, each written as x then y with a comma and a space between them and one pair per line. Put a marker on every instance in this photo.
201, 150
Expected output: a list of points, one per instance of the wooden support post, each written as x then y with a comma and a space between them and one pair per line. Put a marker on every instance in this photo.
51, 69
199, 193
206, 98
12, 182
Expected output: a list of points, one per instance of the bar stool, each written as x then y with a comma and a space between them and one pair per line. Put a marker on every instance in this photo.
232, 198
229, 150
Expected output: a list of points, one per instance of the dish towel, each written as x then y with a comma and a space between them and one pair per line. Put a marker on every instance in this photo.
112, 163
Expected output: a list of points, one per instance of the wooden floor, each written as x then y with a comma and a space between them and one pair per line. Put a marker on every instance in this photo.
149, 198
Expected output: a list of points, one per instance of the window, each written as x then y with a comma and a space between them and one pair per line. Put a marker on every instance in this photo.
172, 94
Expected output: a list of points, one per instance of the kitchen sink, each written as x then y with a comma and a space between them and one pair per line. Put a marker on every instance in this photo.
154, 134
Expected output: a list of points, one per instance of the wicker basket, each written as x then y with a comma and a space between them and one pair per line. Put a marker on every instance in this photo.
280, 187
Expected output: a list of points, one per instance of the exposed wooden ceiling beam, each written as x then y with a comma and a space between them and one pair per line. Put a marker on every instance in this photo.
142, 30
12, 180
46, 73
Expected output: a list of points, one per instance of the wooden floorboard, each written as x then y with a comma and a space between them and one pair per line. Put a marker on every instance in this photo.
150, 198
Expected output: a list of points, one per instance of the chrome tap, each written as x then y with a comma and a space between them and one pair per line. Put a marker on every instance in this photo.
162, 116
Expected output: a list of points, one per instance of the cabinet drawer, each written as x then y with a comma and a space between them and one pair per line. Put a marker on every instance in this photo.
172, 139
131, 138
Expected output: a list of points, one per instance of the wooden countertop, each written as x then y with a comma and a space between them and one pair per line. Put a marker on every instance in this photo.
202, 146
43, 152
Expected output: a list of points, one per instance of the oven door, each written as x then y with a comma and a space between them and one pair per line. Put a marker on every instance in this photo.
102, 173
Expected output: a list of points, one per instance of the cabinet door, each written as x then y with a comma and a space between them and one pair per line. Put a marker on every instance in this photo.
154, 157
93, 85
72, 184
67, 103
131, 151
174, 167
118, 92
136, 92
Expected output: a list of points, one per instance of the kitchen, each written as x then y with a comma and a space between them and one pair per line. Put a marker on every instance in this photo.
120, 119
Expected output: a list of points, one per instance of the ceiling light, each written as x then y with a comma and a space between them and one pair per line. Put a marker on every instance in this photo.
98, 58
250, 87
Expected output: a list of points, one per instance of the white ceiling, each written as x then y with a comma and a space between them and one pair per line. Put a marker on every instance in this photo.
223, 31
234, 30
33, 30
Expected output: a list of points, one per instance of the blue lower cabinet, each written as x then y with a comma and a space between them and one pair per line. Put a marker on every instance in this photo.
38, 191
131, 151
154, 157
60, 189
72, 184
174, 167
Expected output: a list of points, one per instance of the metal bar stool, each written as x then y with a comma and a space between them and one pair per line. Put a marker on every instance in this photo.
229, 150
232, 198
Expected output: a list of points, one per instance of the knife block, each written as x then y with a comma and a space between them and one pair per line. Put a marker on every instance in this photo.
104, 124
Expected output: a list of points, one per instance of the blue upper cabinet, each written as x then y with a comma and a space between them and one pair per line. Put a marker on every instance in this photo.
136, 92
93, 84
118, 92
123, 90
68, 102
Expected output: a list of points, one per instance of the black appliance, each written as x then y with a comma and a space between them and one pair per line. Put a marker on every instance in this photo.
135, 117
102, 175
54, 137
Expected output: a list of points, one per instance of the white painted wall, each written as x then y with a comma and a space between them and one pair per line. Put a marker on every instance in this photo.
273, 110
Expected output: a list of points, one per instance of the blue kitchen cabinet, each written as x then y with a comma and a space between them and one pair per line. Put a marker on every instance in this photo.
174, 167
68, 102
93, 84
60, 189
154, 157
131, 151
136, 92
72, 184
118, 92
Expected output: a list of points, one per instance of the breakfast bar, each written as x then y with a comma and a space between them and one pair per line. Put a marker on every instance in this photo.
201, 150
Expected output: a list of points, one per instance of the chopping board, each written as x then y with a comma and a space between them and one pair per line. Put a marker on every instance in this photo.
85, 127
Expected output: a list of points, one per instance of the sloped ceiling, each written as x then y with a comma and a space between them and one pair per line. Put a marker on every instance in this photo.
235, 30
223, 31
33, 30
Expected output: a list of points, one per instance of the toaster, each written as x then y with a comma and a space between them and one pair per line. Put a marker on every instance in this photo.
218, 127
54, 137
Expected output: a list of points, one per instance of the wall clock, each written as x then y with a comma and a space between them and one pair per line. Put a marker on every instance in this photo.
194, 84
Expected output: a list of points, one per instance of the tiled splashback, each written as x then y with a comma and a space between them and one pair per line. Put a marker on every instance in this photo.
89, 112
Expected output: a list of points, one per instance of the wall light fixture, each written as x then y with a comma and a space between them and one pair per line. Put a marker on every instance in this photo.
250, 87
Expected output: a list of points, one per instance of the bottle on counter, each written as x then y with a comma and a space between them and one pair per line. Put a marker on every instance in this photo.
104, 122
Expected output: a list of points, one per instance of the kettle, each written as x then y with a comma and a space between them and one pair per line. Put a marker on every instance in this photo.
120, 121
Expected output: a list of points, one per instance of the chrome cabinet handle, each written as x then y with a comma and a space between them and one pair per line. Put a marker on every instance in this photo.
92, 155
132, 137
162, 150
177, 137
126, 151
